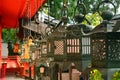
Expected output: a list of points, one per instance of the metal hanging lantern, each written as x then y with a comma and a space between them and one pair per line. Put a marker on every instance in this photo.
81, 16
26, 49
43, 48
36, 41
42, 69
16, 48
64, 12
106, 14
25, 52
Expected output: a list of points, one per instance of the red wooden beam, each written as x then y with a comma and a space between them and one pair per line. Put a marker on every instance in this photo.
12, 10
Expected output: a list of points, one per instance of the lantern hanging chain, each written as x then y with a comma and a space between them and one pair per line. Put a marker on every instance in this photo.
64, 11
23, 29
16, 31
48, 5
48, 12
55, 8
79, 2
65, 3
41, 9
39, 28
36, 16
106, 0
36, 5
29, 15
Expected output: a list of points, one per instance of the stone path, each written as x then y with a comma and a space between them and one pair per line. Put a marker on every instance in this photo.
13, 77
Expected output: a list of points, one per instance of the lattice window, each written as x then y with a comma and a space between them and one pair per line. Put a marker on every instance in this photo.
73, 46
59, 47
44, 49
86, 45
113, 49
99, 49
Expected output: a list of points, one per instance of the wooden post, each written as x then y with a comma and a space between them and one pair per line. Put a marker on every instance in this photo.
70, 73
60, 73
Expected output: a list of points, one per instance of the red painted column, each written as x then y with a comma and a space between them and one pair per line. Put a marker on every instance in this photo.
4, 65
0, 51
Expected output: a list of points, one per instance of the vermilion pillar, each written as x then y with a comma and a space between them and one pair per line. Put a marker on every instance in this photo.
0, 51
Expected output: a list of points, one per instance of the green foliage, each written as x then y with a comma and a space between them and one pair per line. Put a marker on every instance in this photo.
9, 35
56, 8
95, 75
91, 6
116, 75
94, 19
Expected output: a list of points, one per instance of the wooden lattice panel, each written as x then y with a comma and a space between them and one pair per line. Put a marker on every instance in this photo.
73, 46
59, 47
98, 53
86, 45
56, 49
106, 50
114, 50
43, 49
99, 49
73, 49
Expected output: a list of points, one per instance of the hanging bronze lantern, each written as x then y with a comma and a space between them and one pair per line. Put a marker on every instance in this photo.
43, 47
42, 69
16, 48
26, 52
81, 14
108, 13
